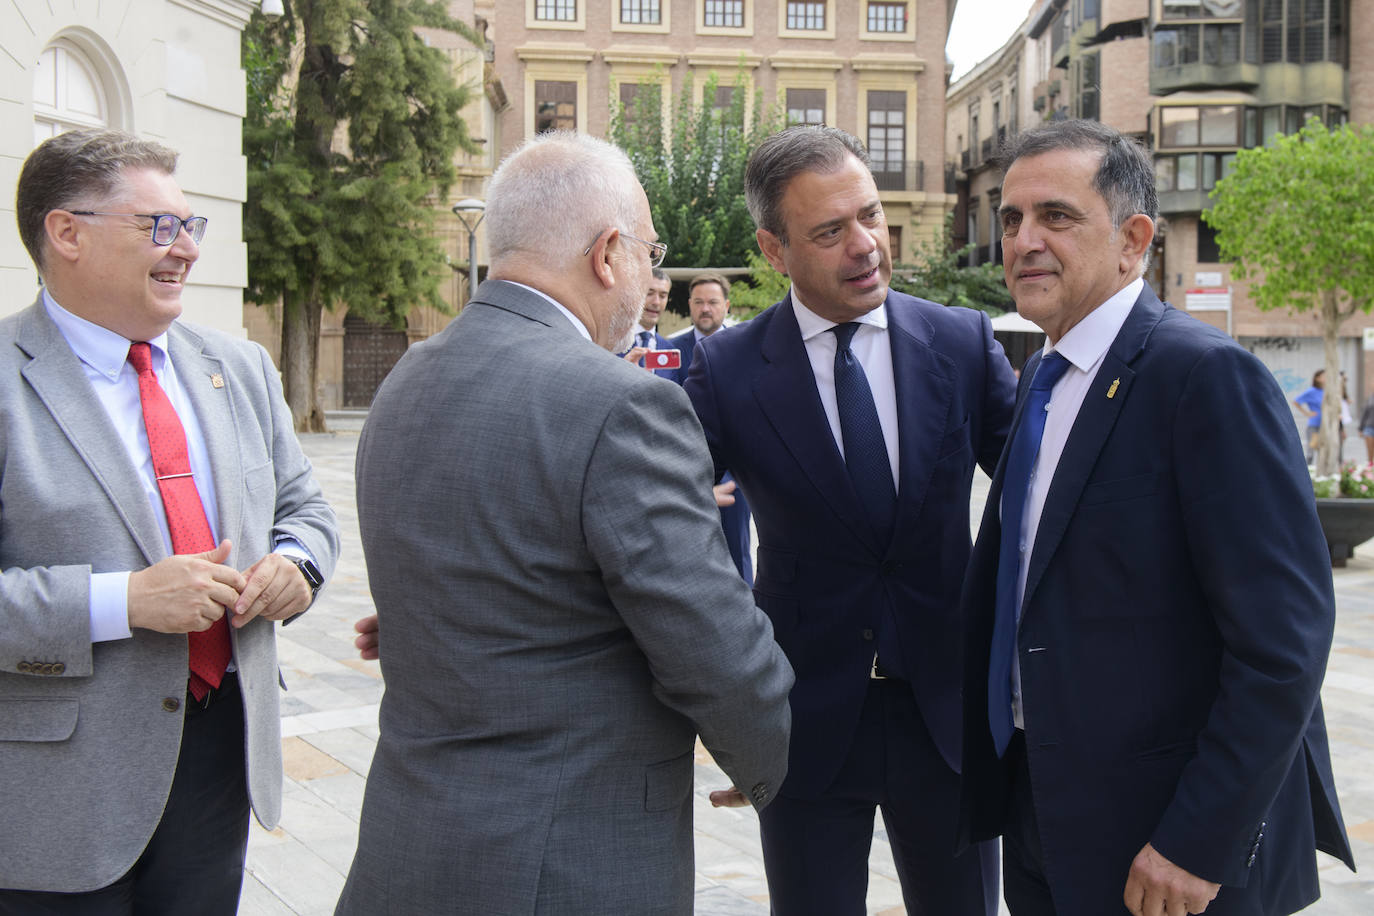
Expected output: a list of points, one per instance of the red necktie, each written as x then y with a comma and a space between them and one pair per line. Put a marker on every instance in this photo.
190, 531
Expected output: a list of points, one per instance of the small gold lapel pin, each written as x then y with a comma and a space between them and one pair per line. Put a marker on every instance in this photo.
1111, 392
217, 381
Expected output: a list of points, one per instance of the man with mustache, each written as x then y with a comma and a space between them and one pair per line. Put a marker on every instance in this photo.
853, 417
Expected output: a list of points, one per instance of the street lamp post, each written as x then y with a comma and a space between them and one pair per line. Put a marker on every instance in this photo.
464, 210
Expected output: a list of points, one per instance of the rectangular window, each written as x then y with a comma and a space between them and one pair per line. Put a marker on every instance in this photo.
887, 17
1187, 172
1089, 88
887, 138
1221, 45
555, 10
1207, 250
555, 105
1165, 48
806, 106
1220, 125
1178, 127
640, 12
808, 16
1165, 169
1271, 124
726, 14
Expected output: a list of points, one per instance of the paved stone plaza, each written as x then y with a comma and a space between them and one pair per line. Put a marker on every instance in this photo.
329, 727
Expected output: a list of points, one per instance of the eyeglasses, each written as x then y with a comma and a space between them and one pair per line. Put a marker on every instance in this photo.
657, 250
166, 226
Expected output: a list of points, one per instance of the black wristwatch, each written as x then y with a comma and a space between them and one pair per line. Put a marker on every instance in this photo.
311, 573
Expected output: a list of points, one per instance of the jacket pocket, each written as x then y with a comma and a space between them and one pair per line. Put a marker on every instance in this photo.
38, 718
1110, 491
668, 784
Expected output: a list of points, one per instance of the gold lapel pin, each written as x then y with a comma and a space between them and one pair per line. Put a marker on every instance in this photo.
217, 381
1111, 392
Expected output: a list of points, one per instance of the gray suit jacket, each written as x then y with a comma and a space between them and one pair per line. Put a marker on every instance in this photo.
89, 734
560, 618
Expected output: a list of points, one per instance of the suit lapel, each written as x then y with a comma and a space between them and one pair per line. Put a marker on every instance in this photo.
1107, 395
196, 371
56, 376
924, 389
786, 393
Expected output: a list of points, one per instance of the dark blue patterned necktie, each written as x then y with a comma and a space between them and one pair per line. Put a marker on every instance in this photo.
646, 339
865, 452
1021, 454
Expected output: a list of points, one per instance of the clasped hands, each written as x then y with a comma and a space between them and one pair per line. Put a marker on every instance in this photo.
189, 592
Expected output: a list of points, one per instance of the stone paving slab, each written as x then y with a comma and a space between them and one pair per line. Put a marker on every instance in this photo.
329, 729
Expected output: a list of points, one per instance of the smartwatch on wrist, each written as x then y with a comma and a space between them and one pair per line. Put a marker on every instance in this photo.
311, 573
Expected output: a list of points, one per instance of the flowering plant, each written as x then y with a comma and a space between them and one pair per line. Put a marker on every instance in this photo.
1324, 486
1357, 481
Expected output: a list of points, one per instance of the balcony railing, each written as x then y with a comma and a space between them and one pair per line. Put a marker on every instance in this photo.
909, 176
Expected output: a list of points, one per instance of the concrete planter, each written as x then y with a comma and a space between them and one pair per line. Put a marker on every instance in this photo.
1347, 523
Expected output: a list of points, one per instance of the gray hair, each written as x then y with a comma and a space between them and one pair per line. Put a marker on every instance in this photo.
660, 274
1125, 179
555, 193
784, 156
79, 169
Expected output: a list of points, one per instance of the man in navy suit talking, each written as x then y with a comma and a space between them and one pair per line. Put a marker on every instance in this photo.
853, 416
1149, 602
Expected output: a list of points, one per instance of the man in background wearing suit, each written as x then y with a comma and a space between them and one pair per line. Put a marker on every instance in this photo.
708, 301
144, 463
853, 416
559, 614
646, 336
1149, 602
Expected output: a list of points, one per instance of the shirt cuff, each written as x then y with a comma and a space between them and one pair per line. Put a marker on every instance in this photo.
109, 606
289, 546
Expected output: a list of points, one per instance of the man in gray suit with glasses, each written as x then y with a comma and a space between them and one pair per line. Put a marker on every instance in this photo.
559, 614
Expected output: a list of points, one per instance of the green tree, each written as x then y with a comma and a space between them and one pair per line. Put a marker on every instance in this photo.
1295, 217
936, 275
694, 176
765, 287
350, 133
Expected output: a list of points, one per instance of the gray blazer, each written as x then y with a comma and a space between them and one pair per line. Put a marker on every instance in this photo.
559, 619
89, 734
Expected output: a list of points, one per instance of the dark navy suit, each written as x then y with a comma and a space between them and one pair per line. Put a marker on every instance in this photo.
826, 580
734, 519
1177, 617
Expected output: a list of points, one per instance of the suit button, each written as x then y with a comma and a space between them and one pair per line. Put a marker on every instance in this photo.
868, 635
890, 567
23, 667
171, 704
44, 668
58, 668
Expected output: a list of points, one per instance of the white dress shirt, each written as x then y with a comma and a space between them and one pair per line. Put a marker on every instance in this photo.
1084, 346
576, 322
104, 356
873, 349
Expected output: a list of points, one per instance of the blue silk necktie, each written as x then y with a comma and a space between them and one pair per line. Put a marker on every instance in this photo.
865, 451
1021, 454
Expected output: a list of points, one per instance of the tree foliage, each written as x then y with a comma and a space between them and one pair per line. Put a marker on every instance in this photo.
937, 275
694, 174
1295, 218
350, 133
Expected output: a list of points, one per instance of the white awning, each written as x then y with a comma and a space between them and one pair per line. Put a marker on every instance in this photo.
1011, 321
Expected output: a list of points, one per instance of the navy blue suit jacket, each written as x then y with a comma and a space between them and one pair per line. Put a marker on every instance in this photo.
734, 519
823, 575
1177, 617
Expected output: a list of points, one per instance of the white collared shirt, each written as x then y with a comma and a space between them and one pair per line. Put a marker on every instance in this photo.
104, 357
873, 348
576, 322
1084, 346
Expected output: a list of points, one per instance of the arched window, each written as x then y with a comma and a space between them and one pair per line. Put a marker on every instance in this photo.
67, 92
